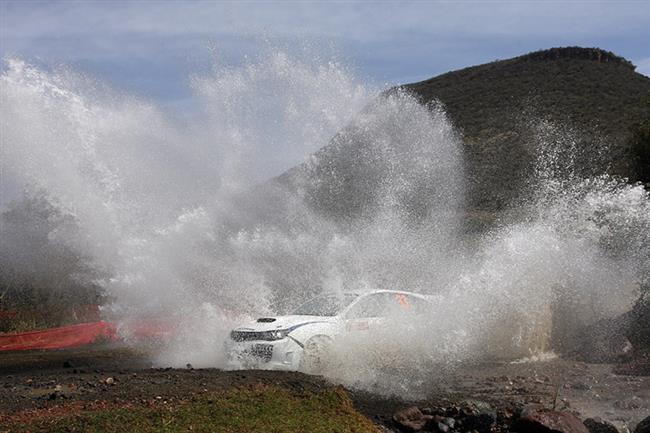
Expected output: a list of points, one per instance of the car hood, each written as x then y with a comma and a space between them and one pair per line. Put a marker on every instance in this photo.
272, 323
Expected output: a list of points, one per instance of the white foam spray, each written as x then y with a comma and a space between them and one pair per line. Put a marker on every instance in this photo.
179, 217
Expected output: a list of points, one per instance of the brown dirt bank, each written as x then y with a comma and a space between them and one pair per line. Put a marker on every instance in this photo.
33, 383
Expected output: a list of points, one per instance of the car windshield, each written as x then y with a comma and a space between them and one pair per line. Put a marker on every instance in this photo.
326, 305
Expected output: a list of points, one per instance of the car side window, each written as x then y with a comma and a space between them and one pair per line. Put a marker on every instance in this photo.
401, 304
376, 305
387, 304
367, 306
416, 306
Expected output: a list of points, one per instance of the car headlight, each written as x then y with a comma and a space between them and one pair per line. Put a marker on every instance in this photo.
278, 335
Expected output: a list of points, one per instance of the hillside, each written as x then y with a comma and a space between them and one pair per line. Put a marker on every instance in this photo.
593, 95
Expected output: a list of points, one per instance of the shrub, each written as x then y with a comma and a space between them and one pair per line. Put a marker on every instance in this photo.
641, 150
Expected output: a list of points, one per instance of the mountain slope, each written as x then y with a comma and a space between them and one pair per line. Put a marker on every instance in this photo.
596, 94
588, 96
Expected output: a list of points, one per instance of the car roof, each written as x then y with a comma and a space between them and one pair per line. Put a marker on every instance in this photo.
372, 292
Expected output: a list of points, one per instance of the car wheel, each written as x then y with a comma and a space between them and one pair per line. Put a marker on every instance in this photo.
316, 355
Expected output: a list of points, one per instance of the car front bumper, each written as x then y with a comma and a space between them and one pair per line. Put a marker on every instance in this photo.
281, 354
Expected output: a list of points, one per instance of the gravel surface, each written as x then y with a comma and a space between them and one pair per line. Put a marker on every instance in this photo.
91, 377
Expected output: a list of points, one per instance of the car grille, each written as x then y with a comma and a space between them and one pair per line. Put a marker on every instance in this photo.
251, 336
263, 352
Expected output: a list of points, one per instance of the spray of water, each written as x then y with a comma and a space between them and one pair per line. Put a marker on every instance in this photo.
157, 201
182, 220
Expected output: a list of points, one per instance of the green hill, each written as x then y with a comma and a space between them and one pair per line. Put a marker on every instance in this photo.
591, 95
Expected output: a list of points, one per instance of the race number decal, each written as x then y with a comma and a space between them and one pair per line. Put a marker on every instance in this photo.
402, 300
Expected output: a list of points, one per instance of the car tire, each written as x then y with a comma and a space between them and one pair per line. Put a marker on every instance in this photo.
316, 355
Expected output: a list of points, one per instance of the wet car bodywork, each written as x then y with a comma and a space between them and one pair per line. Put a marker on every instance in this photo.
281, 342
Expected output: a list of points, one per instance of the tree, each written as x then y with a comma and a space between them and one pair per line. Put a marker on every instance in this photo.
43, 279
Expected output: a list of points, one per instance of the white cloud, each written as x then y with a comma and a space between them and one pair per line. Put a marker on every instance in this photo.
643, 66
356, 21
386, 40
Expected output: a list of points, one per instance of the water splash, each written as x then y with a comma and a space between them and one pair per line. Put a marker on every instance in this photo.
179, 217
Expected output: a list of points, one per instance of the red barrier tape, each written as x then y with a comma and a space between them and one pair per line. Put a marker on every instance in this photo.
59, 338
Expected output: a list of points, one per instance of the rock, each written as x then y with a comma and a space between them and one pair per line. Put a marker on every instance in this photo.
539, 420
477, 415
643, 426
639, 331
67, 364
109, 381
433, 411
604, 341
597, 425
449, 422
411, 419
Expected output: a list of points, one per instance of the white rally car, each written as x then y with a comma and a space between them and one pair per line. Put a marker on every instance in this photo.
301, 341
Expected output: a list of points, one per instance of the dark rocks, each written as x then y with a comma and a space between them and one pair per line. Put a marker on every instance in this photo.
619, 339
57, 393
67, 364
433, 411
643, 426
604, 341
477, 415
473, 416
535, 419
639, 331
411, 419
450, 422
597, 425
470, 416
443, 424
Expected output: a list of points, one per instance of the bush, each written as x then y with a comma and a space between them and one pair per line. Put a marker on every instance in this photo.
44, 282
641, 150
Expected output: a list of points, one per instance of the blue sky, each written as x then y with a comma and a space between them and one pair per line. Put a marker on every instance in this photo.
150, 48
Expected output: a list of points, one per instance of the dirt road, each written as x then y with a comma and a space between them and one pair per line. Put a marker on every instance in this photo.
56, 380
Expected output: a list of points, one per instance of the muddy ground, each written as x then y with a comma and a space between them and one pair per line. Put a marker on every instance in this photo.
44, 381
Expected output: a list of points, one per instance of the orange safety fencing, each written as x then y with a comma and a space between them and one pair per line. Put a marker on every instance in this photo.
87, 333
59, 338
